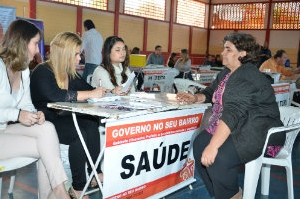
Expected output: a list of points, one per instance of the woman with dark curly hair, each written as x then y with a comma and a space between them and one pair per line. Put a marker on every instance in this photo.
243, 110
113, 72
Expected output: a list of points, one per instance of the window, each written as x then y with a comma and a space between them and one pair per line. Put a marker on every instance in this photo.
98, 4
286, 15
154, 9
190, 12
238, 16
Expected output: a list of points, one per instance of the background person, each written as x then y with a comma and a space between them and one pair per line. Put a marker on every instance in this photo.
244, 109
209, 60
112, 73
218, 61
276, 64
171, 60
183, 64
139, 75
92, 43
57, 81
135, 50
264, 54
156, 57
20, 124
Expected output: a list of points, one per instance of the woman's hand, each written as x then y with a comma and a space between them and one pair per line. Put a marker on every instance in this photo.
209, 155
97, 92
186, 97
41, 117
118, 91
28, 118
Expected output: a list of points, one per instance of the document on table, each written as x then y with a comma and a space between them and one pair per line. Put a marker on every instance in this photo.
128, 83
109, 97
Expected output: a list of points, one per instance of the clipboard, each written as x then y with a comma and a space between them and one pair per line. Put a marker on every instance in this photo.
128, 83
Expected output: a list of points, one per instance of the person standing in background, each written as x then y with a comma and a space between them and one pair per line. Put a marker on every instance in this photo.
156, 57
264, 54
92, 43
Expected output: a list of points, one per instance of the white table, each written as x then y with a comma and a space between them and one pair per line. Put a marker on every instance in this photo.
163, 118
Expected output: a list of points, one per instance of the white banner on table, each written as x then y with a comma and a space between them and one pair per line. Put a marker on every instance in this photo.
207, 76
150, 154
153, 78
282, 93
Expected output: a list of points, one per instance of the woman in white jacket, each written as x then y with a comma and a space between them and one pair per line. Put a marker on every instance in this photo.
23, 130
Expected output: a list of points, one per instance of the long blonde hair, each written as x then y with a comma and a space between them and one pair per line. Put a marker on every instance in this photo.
185, 55
62, 56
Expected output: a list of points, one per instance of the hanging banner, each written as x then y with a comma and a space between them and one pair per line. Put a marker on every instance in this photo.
150, 156
7, 15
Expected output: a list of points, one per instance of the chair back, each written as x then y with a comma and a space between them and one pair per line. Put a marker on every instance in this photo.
289, 115
169, 80
184, 85
15, 163
89, 79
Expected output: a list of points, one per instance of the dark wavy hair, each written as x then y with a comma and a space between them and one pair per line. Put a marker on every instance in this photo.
245, 42
106, 62
89, 24
14, 45
279, 53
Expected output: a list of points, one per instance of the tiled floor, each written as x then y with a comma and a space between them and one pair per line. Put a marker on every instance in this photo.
26, 183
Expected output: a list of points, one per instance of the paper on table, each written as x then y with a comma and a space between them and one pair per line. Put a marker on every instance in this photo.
107, 98
128, 83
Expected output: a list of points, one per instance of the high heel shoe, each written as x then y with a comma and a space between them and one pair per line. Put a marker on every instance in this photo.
74, 194
94, 184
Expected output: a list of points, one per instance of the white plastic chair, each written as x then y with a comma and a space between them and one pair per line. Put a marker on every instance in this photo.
169, 80
89, 79
13, 164
290, 116
291, 97
184, 85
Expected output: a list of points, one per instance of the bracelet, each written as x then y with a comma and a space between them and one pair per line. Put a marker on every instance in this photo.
112, 91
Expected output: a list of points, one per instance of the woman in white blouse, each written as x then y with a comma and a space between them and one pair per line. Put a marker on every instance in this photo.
112, 73
23, 129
